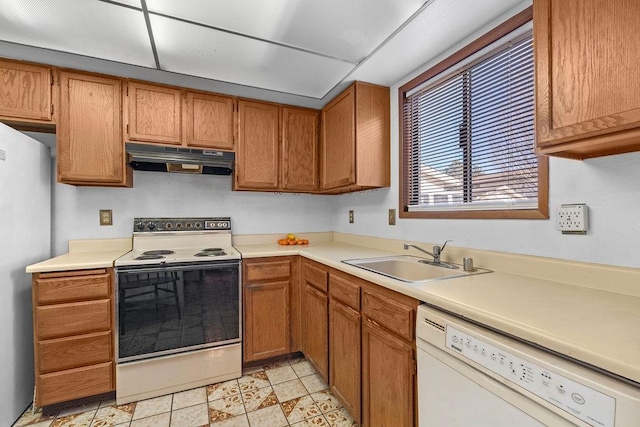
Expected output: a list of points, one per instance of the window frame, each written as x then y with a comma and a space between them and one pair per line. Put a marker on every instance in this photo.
542, 211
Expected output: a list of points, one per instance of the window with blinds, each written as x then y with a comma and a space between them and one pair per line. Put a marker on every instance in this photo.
468, 136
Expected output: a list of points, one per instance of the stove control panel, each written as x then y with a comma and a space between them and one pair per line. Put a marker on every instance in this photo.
583, 402
155, 225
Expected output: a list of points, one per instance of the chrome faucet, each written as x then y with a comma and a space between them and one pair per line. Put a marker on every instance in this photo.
437, 250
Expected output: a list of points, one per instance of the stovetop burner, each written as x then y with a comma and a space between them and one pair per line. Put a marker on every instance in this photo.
150, 256
211, 252
159, 252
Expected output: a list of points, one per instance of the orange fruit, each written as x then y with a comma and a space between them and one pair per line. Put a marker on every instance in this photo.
305, 242
282, 242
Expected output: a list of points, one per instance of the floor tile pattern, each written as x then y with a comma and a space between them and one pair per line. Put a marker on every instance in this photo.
281, 394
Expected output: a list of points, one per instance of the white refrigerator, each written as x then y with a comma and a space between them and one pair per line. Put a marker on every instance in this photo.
25, 238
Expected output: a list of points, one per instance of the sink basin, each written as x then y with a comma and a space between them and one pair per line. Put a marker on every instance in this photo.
411, 269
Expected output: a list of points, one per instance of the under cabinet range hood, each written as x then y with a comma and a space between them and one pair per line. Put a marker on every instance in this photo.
157, 158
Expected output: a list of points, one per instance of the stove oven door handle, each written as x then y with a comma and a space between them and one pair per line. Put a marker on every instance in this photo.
178, 268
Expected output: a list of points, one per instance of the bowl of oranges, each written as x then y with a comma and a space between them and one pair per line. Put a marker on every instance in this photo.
291, 239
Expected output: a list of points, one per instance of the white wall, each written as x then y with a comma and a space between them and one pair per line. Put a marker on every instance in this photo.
25, 233
75, 209
608, 185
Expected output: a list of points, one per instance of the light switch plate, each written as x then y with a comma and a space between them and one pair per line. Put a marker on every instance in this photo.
2, 155
392, 217
350, 217
106, 217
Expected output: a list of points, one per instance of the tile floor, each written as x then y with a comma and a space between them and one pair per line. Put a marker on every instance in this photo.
284, 394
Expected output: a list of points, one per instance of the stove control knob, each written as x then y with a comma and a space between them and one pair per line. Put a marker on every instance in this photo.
198, 225
188, 225
168, 226
179, 225
140, 226
151, 225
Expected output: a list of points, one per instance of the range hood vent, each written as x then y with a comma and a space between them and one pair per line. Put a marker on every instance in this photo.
156, 158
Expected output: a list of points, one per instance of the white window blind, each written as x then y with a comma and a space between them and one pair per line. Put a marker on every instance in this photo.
469, 137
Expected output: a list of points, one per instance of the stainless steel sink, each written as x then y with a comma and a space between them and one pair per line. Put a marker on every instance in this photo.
411, 269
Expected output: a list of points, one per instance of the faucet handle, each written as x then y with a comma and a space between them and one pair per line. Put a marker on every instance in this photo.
445, 245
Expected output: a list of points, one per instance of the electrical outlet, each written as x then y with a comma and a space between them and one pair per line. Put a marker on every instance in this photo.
106, 217
350, 217
573, 219
392, 217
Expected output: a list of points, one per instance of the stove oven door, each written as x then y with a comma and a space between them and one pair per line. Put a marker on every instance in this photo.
177, 308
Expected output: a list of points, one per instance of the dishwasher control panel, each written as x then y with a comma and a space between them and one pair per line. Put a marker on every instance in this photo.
589, 405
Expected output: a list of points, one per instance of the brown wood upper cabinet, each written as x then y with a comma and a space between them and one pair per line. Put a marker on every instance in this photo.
73, 335
277, 147
208, 121
355, 139
25, 92
90, 149
300, 139
258, 150
587, 89
154, 113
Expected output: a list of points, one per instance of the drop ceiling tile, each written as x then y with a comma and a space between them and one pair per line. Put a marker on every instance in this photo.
441, 26
199, 51
88, 27
349, 30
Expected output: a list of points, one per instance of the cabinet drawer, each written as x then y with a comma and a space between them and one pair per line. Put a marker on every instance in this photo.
72, 288
74, 384
53, 321
344, 291
267, 270
389, 314
66, 353
315, 276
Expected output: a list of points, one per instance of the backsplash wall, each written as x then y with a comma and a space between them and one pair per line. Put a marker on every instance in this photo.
76, 209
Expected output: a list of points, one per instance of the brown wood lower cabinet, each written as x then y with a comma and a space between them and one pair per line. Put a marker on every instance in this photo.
344, 356
316, 329
388, 378
73, 334
271, 307
267, 327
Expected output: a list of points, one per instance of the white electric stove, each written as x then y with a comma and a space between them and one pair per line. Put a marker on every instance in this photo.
179, 310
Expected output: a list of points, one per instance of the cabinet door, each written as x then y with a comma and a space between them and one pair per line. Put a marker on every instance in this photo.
344, 356
25, 91
587, 90
388, 375
258, 146
208, 121
89, 132
315, 329
339, 141
266, 329
154, 113
299, 149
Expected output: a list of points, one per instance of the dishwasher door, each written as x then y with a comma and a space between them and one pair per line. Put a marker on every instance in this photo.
469, 375
453, 394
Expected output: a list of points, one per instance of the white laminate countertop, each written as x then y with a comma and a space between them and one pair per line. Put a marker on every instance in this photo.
84, 255
594, 326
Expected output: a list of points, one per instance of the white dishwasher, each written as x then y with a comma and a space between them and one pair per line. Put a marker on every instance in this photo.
473, 377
